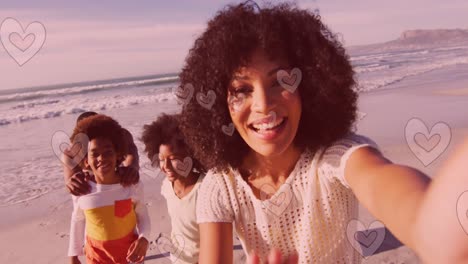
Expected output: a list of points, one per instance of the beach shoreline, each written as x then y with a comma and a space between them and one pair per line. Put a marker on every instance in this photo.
36, 231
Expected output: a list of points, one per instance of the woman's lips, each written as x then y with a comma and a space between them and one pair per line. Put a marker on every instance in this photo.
269, 134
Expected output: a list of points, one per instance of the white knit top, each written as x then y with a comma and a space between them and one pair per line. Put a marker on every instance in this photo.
308, 214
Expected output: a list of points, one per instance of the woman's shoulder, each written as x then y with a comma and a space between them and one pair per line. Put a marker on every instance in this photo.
332, 160
217, 175
345, 143
218, 179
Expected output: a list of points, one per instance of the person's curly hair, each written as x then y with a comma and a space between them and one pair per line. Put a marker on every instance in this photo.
165, 131
282, 31
102, 126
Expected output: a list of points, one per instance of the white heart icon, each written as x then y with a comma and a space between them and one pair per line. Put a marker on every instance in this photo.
427, 145
75, 153
368, 239
229, 129
174, 245
207, 100
236, 102
183, 168
183, 94
151, 169
22, 44
290, 82
462, 211
276, 202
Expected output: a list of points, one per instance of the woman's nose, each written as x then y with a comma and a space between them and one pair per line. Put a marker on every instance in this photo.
263, 99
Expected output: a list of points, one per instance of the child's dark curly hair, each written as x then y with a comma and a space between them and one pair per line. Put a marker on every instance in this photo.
283, 32
102, 126
165, 131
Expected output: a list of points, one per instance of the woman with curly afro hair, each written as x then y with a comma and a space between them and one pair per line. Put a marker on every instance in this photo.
271, 117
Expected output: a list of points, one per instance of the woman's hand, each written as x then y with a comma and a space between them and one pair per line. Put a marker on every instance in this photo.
273, 258
137, 251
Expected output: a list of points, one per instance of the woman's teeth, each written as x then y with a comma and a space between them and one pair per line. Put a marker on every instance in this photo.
268, 126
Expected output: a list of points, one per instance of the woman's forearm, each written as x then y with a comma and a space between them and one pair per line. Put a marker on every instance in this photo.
442, 220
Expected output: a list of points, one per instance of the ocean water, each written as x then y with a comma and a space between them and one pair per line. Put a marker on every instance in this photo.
29, 118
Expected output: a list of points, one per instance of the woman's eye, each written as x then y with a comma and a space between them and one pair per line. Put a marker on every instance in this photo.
241, 90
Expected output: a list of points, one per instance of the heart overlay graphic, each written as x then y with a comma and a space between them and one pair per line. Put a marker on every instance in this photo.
22, 44
183, 168
276, 201
70, 154
229, 129
427, 145
207, 100
236, 102
462, 211
367, 241
151, 169
290, 82
174, 245
184, 94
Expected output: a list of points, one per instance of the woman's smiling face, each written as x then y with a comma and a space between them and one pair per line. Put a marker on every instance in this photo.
264, 113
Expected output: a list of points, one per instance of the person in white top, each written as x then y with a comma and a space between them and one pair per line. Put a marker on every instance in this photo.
167, 149
272, 119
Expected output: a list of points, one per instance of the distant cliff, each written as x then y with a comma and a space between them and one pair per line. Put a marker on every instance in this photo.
418, 39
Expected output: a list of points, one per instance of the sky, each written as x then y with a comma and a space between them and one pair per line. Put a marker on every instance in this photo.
94, 40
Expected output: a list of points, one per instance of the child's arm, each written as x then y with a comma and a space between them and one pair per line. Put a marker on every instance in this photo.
75, 179
77, 230
143, 220
137, 251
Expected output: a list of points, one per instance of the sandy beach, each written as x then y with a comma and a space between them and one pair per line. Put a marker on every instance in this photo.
37, 230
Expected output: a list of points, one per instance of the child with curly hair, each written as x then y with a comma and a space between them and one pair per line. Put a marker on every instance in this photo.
113, 217
166, 148
289, 177
76, 179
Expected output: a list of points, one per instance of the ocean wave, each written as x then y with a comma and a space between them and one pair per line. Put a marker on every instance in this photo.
389, 55
25, 105
371, 68
368, 83
22, 96
78, 105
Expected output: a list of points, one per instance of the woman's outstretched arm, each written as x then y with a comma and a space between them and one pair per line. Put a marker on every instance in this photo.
442, 220
392, 193
408, 203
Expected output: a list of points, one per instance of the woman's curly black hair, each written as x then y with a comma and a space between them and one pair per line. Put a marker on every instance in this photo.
102, 126
165, 131
281, 31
